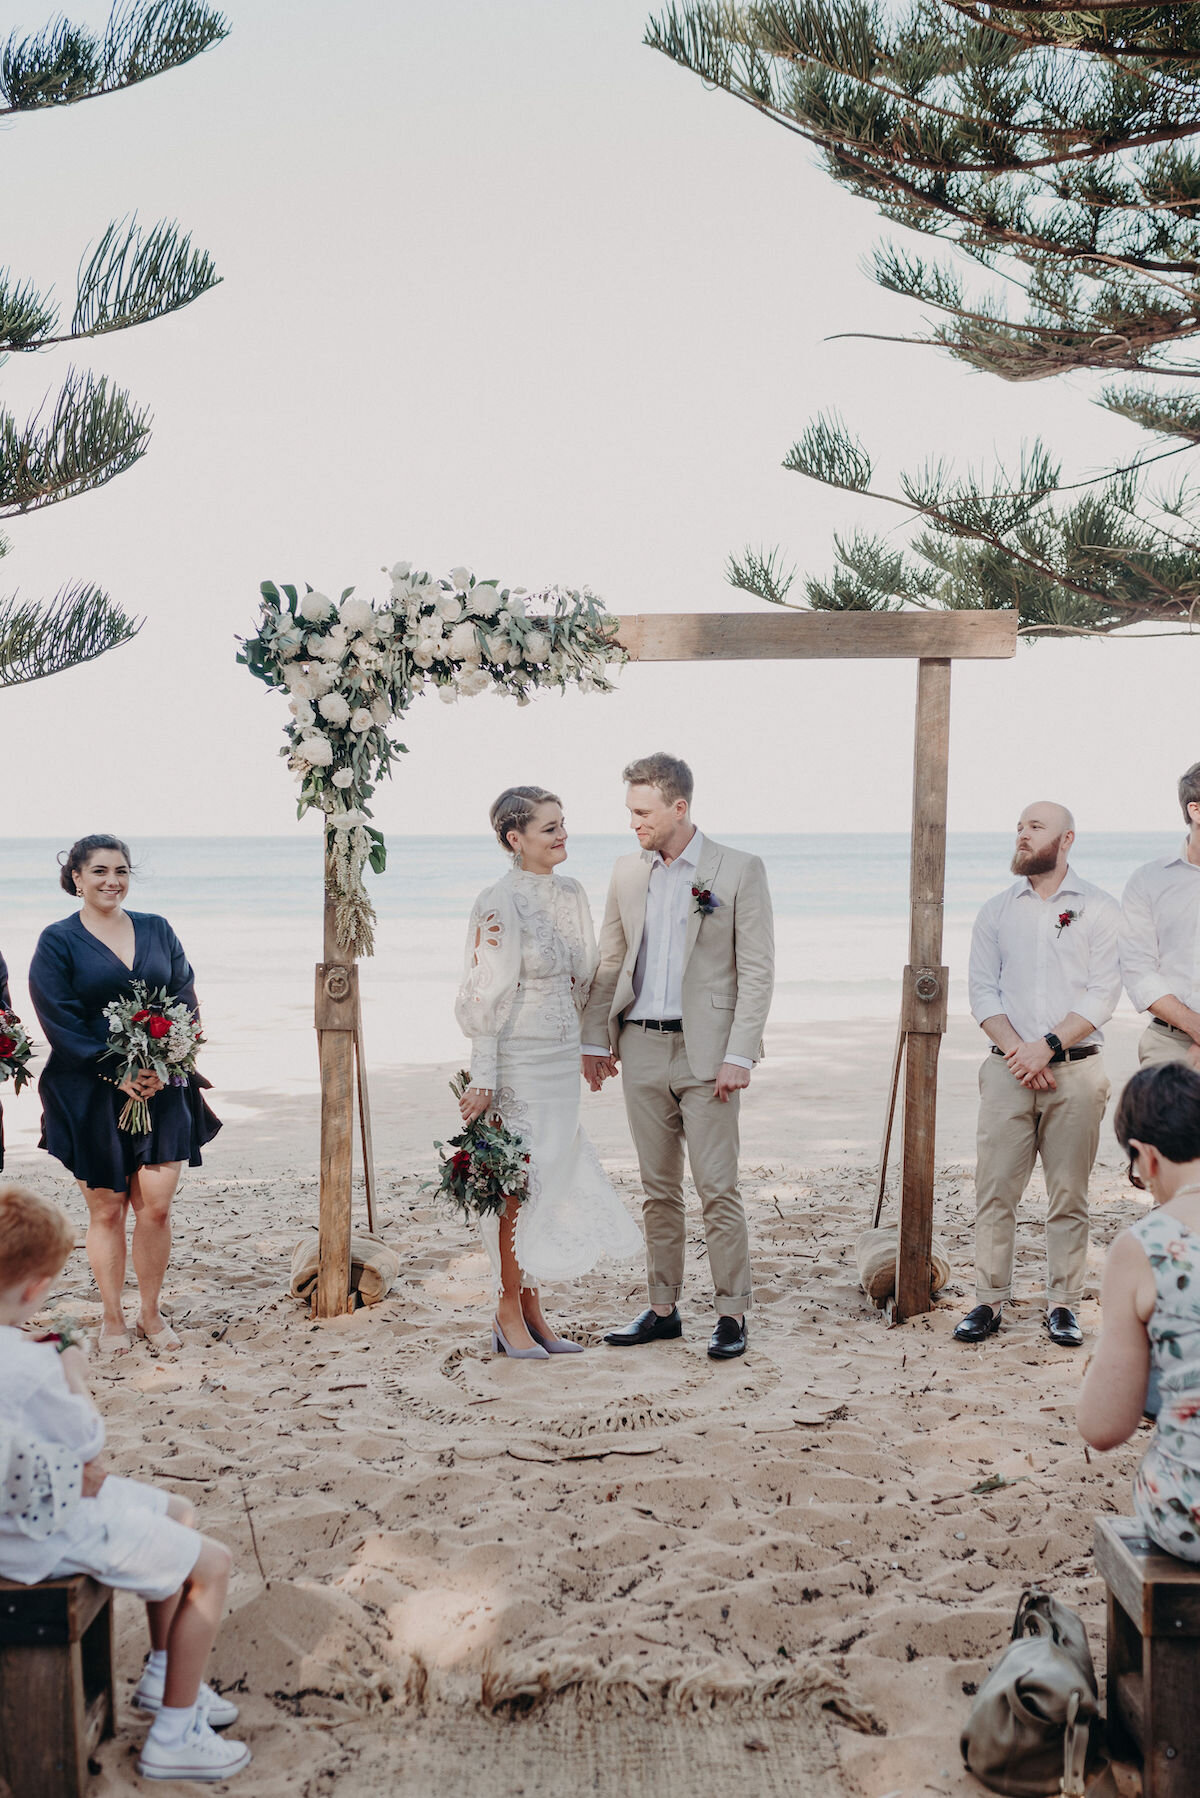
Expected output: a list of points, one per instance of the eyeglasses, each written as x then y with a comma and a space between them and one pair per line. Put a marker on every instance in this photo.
1135, 1179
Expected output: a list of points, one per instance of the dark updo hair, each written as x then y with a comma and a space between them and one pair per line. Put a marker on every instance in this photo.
80, 853
1161, 1108
514, 809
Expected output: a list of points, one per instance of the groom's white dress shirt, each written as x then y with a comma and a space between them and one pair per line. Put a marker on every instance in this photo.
1034, 973
658, 971
1160, 940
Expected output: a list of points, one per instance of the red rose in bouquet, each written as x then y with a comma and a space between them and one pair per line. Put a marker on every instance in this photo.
484, 1166
150, 1032
16, 1050
158, 1028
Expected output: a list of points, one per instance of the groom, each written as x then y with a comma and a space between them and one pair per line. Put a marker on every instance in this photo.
680, 999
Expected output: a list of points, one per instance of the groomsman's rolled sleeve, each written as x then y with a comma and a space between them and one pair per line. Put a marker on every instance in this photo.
1104, 966
1144, 980
983, 975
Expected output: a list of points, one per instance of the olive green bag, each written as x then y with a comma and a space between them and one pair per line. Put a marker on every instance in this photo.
1030, 1726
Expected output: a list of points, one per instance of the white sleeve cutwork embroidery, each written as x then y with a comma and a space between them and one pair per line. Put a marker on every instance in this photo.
489, 985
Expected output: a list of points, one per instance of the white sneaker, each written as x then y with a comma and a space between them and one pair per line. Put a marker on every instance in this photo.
200, 1755
217, 1712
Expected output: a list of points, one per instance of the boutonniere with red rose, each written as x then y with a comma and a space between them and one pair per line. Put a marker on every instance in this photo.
706, 901
1064, 918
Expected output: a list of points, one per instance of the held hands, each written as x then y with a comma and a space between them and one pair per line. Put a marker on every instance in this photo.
729, 1079
474, 1102
597, 1069
1029, 1063
142, 1085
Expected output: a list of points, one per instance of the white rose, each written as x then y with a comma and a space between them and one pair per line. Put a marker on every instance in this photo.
385, 624
401, 570
356, 614
334, 708
503, 618
447, 694
461, 578
450, 607
316, 749
315, 607
302, 712
425, 652
343, 778
365, 653
497, 647
464, 644
516, 601
347, 820
297, 682
322, 676
475, 680
537, 646
361, 720
515, 656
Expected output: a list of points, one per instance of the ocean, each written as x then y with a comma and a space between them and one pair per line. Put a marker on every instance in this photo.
249, 910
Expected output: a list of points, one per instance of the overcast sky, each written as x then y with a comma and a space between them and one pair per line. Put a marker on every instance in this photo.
503, 287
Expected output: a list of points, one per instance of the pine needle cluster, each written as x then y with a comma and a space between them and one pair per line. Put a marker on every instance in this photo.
1054, 149
88, 431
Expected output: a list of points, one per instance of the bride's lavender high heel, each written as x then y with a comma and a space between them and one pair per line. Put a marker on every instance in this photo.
501, 1347
554, 1345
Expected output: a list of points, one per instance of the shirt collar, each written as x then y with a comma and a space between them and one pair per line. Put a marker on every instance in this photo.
1180, 859
690, 853
1071, 883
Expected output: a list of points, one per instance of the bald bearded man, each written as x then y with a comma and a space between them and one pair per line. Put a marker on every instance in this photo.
1045, 976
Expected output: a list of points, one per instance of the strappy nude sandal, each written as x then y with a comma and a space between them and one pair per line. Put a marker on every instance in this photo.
161, 1341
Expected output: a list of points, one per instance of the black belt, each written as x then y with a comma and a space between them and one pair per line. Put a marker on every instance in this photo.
672, 1024
1063, 1054
1161, 1024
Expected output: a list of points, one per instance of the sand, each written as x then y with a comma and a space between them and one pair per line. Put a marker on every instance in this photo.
623, 1571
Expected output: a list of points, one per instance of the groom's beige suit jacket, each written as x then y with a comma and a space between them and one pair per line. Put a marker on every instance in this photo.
729, 958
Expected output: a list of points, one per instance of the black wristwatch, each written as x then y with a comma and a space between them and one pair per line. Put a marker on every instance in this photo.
1056, 1047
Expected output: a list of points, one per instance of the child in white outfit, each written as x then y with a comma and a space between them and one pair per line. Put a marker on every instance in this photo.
128, 1535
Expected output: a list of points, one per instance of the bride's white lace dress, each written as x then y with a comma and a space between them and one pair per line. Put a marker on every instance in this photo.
530, 959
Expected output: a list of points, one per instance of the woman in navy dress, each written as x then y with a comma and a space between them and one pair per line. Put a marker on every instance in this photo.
80, 965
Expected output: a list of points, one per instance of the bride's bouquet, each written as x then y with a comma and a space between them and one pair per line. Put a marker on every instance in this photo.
16, 1050
150, 1031
484, 1166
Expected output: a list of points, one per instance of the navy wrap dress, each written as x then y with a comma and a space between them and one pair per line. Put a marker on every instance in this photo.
72, 977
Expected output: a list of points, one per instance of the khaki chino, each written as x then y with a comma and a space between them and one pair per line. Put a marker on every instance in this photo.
670, 1106
1157, 1045
1016, 1126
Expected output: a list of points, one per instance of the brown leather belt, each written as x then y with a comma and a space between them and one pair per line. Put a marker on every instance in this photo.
1063, 1054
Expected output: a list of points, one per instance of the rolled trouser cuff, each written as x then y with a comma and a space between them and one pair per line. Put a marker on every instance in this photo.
663, 1295
983, 1297
736, 1306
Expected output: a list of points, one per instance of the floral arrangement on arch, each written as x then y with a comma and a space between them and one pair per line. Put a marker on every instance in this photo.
351, 669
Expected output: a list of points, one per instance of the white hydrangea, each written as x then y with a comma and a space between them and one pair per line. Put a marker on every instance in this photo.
302, 712
461, 578
343, 778
464, 643
361, 720
348, 820
316, 750
179, 1042
356, 614
497, 646
334, 708
315, 607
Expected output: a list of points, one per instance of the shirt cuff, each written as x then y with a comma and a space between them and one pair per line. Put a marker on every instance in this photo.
591, 1049
1147, 991
738, 1061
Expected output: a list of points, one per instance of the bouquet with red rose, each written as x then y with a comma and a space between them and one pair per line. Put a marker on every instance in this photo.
150, 1032
484, 1166
16, 1050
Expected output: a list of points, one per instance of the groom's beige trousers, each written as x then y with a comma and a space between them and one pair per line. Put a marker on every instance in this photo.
669, 1107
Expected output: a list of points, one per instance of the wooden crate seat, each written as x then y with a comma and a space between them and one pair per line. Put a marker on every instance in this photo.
56, 1684
1153, 1657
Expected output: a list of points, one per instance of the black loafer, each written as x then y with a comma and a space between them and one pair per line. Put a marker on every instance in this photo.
728, 1339
1063, 1329
648, 1326
977, 1324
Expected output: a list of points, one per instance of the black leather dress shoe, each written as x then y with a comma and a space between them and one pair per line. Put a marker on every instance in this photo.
728, 1339
1060, 1322
977, 1324
648, 1326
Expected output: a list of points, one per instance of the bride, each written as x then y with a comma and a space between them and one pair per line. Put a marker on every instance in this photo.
530, 958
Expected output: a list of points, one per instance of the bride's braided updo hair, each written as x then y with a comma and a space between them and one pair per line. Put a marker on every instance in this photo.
515, 808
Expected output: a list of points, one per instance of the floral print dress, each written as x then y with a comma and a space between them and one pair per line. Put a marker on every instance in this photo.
1166, 1487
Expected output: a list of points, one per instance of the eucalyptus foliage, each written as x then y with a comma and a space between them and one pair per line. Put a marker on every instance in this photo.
89, 431
1055, 148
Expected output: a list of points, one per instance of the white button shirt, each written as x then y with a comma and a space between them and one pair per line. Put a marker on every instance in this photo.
1160, 934
1027, 968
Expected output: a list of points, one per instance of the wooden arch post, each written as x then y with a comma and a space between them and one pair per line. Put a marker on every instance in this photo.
933, 640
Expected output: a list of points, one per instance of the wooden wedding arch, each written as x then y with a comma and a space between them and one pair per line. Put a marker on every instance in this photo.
933, 640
